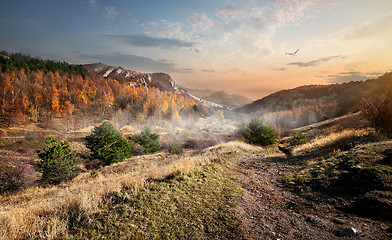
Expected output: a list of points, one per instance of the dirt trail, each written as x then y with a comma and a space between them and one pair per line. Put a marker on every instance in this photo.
268, 211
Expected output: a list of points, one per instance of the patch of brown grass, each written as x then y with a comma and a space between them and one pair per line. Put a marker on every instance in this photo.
332, 138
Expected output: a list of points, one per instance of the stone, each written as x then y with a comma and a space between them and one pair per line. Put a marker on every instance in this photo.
349, 232
387, 152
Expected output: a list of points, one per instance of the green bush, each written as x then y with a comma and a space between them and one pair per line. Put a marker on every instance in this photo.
58, 161
257, 132
108, 145
175, 149
149, 140
298, 138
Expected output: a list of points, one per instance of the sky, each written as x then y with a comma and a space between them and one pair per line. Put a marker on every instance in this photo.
233, 45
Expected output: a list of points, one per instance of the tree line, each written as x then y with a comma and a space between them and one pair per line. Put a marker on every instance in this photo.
17, 61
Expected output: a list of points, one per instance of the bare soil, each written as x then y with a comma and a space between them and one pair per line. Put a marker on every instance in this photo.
270, 211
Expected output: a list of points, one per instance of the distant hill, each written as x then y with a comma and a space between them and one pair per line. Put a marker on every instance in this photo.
309, 104
220, 97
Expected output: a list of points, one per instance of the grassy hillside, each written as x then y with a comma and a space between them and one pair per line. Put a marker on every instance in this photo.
136, 198
341, 177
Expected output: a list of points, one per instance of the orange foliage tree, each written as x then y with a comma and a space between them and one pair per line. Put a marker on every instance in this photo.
39, 96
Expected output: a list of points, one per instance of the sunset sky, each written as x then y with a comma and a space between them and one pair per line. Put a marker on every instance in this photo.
232, 45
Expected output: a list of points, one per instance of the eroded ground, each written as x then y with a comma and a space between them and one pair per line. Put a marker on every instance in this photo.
270, 210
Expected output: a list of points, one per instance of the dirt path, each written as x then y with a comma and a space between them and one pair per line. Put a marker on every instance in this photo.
268, 211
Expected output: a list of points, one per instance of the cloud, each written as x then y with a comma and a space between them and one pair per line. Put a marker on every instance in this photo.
201, 21
292, 10
134, 62
229, 10
314, 62
208, 70
279, 69
249, 29
328, 4
376, 28
93, 5
143, 40
185, 70
351, 76
110, 12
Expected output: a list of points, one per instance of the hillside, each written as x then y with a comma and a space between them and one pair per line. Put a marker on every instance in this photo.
162, 81
309, 104
340, 180
36, 90
223, 98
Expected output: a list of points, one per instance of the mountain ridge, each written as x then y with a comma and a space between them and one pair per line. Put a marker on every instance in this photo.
313, 103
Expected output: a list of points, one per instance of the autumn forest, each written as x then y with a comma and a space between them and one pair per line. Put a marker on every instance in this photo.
34, 90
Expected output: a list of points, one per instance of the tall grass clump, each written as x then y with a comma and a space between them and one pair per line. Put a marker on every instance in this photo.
108, 145
257, 132
58, 161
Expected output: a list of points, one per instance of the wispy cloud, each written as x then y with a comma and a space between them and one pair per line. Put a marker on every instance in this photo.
184, 70
351, 76
136, 62
328, 4
292, 10
314, 62
93, 5
143, 40
250, 28
208, 70
376, 28
133, 62
201, 21
229, 10
110, 12
279, 69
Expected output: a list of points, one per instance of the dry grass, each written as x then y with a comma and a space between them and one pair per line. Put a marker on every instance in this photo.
332, 138
45, 212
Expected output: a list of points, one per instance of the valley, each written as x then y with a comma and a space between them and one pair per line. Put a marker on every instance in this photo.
173, 165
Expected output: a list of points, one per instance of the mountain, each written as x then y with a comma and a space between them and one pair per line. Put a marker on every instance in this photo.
223, 98
164, 82
309, 104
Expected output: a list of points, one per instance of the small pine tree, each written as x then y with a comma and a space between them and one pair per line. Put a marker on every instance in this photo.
298, 138
257, 132
195, 108
175, 149
149, 140
108, 145
58, 161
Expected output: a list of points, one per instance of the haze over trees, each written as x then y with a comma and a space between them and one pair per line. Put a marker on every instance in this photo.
305, 105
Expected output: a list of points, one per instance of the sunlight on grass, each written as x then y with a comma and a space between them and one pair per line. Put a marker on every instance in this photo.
45, 212
325, 140
199, 205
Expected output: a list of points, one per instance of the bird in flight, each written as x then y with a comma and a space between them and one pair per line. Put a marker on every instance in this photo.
293, 53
